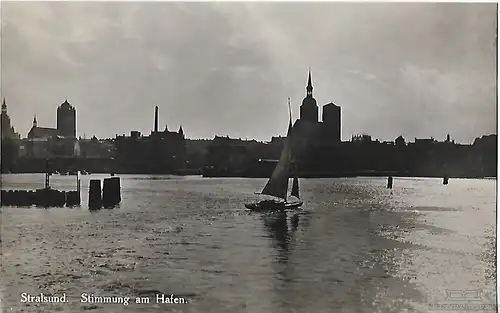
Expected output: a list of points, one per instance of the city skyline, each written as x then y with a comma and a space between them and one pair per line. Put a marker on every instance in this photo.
232, 72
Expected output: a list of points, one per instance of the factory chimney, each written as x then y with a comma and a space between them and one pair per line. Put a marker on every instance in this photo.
156, 119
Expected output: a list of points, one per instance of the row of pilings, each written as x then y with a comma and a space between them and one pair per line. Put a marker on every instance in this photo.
45, 197
108, 197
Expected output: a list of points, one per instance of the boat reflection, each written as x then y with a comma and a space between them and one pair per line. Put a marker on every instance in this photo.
282, 234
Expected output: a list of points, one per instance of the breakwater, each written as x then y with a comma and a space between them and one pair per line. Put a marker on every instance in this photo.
45, 197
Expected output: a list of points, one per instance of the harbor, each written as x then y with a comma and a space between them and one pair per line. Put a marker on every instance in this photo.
368, 242
248, 157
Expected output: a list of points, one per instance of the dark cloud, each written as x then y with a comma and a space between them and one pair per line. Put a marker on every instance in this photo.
416, 69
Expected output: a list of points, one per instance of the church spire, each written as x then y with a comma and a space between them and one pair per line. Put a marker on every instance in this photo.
181, 131
4, 107
34, 121
309, 87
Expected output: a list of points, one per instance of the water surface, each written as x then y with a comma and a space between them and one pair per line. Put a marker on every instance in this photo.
355, 247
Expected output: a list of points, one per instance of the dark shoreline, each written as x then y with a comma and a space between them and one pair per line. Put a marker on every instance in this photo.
301, 175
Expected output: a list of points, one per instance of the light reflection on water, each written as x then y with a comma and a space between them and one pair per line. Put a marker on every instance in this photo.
356, 246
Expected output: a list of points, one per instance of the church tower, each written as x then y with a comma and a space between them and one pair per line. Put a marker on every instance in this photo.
7, 129
4, 107
66, 120
309, 108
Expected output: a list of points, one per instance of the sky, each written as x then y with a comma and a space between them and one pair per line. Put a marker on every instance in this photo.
413, 69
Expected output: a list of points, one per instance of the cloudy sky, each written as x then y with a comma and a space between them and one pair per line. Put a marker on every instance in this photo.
417, 70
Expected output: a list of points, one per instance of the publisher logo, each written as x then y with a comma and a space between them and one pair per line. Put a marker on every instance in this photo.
470, 300
463, 295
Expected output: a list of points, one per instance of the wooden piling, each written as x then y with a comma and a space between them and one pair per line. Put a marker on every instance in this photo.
117, 189
95, 200
47, 180
41, 197
389, 182
7, 197
107, 201
72, 199
111, 192
47, 174
45, 198
62, 198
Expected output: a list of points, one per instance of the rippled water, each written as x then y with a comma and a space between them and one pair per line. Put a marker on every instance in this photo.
355, 247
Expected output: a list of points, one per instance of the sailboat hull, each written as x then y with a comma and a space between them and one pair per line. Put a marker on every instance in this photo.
267, 205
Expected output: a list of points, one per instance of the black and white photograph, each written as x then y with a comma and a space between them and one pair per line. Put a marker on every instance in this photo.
248, 157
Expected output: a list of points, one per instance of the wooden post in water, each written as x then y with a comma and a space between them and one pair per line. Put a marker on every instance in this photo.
47, 174
111, 192
117, 190
95, 200
389, 182
78, 190
47, 182
107, 201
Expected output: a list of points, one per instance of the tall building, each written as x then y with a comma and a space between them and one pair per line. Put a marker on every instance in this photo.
9, 142
66, 120
316, 143
49, 141
331, 122
7, 129
310, 128
65, 127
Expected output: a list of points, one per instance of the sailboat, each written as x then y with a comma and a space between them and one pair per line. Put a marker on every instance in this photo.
295, 187
277, 185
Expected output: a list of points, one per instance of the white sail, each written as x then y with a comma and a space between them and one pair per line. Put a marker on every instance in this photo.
295, 184
277, 185
295, 188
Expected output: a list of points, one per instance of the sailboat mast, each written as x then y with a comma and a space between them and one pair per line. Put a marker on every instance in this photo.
295, 184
